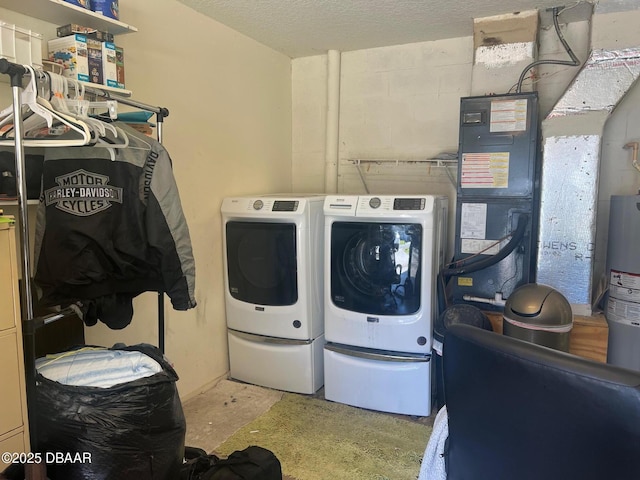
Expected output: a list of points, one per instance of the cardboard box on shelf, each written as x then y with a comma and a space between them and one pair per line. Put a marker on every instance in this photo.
71, 52
109, 68
120, 66
138, 120
144, 128
94, 50
80, 3
108, 8
90, 32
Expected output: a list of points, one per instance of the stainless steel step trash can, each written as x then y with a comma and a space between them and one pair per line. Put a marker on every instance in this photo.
538, 314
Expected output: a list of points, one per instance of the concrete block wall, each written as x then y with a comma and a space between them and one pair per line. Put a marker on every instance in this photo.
308, 128
401, 102
397, 103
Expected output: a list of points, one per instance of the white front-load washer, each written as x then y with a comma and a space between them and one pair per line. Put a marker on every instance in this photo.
383, 254
273, 263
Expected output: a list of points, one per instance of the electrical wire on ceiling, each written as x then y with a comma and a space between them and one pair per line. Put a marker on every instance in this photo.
574, 62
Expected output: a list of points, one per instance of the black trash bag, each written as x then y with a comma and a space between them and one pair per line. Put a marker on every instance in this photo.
132, 431
196, 462
252, 463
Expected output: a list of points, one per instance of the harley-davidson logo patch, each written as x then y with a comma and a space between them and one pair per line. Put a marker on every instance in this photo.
83, 193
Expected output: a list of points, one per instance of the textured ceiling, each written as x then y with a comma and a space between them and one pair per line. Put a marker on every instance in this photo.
300, 28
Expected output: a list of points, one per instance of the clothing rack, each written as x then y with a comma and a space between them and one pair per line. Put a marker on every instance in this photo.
161, 113
30, 323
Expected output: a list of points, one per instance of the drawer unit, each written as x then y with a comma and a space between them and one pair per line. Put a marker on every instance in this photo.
14, 430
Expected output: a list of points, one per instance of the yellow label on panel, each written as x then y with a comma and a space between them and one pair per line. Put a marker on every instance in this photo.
485, 170
465, 282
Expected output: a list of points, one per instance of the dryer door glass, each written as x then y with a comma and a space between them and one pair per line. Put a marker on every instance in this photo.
375, 267
262, 262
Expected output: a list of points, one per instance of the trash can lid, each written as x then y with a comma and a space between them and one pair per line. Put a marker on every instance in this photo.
461, 313
538, 304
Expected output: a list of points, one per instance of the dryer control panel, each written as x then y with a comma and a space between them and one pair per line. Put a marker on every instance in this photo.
394, 205
267, 206
378, 205
409, 203
285, 205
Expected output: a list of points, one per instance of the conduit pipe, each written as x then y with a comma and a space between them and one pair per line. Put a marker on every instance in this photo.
634, 154
333, 122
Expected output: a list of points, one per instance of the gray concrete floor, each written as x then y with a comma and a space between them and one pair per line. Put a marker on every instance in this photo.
216, 414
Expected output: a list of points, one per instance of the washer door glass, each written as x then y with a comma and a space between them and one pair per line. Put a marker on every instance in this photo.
262, 262
375, 267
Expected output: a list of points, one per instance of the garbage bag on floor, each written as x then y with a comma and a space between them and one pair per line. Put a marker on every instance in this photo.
129, 431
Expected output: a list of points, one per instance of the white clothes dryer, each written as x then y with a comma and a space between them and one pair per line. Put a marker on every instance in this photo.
273, 263
383, 254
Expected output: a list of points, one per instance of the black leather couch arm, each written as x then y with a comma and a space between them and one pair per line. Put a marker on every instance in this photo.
520, 411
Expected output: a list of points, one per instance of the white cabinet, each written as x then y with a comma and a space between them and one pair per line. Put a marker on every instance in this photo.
14, 431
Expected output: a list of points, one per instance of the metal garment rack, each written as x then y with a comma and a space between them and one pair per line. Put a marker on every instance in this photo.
30, 323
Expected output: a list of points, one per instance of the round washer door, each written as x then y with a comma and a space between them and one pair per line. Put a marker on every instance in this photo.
376, 267
262, 262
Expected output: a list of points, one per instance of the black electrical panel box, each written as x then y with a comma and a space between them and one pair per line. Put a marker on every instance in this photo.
497, 196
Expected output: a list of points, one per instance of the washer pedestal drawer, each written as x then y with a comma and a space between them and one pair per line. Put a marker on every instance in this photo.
377, 381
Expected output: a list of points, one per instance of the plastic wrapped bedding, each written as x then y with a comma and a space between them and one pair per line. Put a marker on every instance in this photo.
97, 367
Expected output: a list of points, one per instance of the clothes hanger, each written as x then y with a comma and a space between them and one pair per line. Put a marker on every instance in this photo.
27, 99
32, 122
40, 107
82, 107
78, 107
110, 144
79, 111
6, 115
142, 144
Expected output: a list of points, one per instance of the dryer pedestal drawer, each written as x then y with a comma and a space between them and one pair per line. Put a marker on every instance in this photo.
288, 365
387, 385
